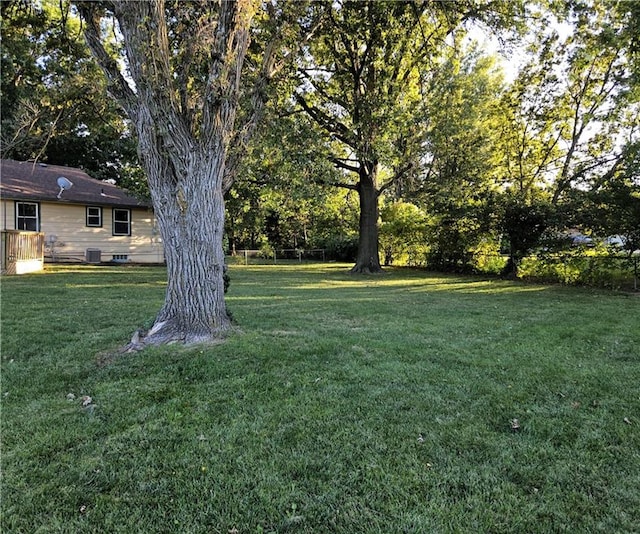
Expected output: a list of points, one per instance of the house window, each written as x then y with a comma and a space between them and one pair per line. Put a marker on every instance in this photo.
121, 222
94, 216
27, 216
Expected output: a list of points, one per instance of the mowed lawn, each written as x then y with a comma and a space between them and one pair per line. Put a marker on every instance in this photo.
408, 402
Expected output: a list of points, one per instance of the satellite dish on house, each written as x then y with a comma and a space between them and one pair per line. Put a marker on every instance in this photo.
64, 184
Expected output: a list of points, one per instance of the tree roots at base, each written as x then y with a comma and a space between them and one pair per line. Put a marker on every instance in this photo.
366, 269
163, 333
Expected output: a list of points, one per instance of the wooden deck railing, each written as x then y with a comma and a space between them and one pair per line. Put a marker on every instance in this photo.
22, 252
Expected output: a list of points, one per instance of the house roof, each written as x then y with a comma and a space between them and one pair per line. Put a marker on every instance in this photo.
39, 182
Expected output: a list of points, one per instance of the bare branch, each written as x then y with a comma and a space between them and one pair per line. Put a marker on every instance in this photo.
341, 163
117, 85
398, 175
328, 123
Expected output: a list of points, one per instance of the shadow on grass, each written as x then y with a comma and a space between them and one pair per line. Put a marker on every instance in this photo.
345, 404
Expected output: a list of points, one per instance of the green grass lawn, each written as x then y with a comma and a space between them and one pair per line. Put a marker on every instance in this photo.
342, 404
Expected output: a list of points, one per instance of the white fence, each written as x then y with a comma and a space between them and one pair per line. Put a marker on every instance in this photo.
288, 254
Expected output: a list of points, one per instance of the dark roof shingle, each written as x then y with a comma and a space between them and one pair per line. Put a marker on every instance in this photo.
39, 182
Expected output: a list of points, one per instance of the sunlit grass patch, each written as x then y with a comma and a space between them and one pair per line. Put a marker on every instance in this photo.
340, 404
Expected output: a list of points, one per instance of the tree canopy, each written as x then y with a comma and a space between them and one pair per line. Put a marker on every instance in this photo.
55, 106
364, 82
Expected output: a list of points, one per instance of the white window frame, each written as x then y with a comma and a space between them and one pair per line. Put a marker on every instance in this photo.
25, 217
98, 215
128, 221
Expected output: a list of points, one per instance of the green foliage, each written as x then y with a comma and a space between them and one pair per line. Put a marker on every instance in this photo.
55, 106
403, 233
315, 417
266, 252
367, 77
524, 225
458, 187
630, 15
486, 258
573, 109
340, 247
613, 206
279, 194
464, 117
595, 267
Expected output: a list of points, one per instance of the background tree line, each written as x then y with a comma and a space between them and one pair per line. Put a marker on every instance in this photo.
466, 160
392, 135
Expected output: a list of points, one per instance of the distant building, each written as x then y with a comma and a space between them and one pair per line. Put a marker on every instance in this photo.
78, 217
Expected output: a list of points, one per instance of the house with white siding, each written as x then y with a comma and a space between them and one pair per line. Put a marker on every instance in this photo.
77, 217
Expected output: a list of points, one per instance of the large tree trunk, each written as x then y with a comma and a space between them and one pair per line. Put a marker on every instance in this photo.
190, 210
368, 260
186, 179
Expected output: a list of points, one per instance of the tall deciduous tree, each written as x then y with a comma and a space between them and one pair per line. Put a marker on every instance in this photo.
573, 124
362, 82
185, 76
356, 86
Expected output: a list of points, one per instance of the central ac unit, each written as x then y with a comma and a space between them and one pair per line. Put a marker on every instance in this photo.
93, 255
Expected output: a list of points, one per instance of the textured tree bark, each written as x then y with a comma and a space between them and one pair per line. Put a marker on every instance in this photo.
191, 222
368, 260
184, 150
